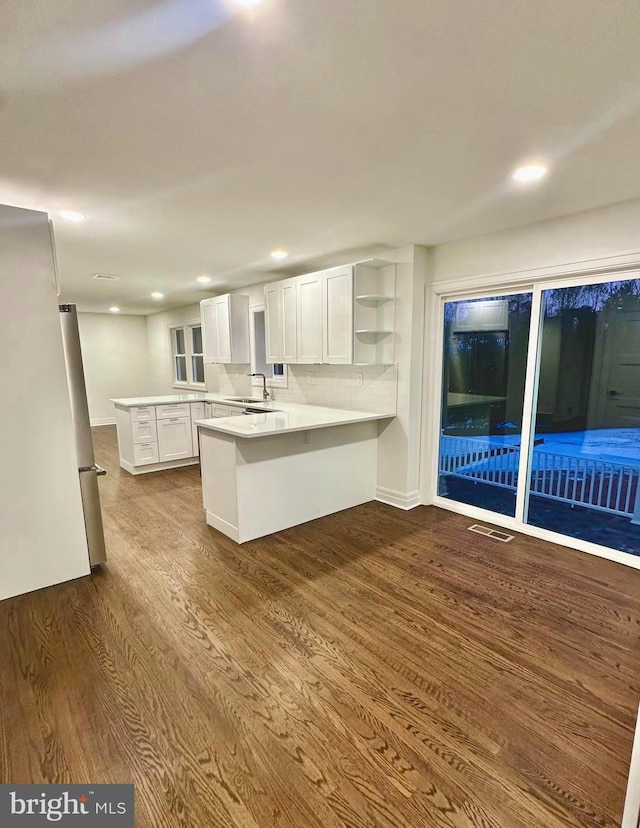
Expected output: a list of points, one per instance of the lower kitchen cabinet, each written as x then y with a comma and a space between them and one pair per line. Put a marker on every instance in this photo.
152, 438
175, 441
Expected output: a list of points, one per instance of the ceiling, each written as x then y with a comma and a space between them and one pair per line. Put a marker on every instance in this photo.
198, 135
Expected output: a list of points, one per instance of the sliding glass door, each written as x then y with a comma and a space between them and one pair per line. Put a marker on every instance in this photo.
484, 366
585, 460
577, 406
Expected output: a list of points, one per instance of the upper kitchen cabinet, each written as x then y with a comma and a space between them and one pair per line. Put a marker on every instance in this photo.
281, 314
309, 293
374, 312
225, 328
337, 315
341, 316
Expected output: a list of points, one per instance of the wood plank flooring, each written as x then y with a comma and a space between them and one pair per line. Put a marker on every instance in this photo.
372, 668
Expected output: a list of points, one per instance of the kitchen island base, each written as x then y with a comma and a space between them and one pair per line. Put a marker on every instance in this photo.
254, 487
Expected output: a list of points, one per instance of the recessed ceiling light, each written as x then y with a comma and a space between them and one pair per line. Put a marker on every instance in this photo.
279, 254
114, 309
72, 215
157, 295
203, 279
530, 172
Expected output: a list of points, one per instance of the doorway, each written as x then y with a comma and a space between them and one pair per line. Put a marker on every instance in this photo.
539, 425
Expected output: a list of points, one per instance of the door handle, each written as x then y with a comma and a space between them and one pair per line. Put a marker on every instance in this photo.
614, 393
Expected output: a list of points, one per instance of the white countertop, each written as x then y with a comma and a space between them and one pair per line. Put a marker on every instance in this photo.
278, 417
294, 418
170, 399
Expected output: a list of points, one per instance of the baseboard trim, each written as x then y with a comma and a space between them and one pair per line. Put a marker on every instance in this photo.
223, 526
100, 421
401, 500
154, 467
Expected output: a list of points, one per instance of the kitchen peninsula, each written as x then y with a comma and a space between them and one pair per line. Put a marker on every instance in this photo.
265, 472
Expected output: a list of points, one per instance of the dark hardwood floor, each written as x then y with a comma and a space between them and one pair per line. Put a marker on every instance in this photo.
372, 668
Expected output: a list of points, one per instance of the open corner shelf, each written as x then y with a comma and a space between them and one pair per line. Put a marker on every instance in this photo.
373, 331
374, 297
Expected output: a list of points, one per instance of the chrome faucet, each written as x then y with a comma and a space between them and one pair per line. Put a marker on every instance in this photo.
265, 393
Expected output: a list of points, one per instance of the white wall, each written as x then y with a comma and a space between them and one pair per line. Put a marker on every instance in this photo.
42, 534
582, 237
159, 347
116, 361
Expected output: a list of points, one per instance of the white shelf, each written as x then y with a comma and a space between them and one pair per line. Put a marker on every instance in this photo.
373, 331
374, 312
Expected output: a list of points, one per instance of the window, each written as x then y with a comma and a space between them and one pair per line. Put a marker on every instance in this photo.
187, 355
276, 374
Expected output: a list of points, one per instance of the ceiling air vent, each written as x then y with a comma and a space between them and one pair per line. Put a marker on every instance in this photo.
106, 277
491, 533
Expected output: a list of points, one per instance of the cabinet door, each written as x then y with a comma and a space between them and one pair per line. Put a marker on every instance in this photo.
223, 328
209, 330
272, 321
198, 411
288, 320
174, 439
309, 321
337, 312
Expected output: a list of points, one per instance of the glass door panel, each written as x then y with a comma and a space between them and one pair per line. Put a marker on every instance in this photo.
484, 368
585, 462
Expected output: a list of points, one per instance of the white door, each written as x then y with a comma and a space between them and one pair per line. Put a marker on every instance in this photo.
337, 311
288, 320
309, 318
209, 330
273, 332
223, 328
174, 439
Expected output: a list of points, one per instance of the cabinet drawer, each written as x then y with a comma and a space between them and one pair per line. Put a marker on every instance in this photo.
143, 413
144, 432
145, 453
165, 412
224, 411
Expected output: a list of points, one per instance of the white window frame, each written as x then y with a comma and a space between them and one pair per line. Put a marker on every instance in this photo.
272, 382
187, 328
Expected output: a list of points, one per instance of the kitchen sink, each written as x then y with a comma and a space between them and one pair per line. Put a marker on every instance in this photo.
244, 399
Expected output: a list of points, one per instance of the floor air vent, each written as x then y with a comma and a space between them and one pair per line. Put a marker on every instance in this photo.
491, 533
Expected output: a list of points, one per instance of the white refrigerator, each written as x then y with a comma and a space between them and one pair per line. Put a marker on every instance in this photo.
43, 534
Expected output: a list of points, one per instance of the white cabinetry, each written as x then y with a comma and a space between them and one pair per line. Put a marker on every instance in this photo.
164, 436
337, 316
225, 328
174, 439
281, 316
309, 318
226, 411
272, 322
341, 316
197, 413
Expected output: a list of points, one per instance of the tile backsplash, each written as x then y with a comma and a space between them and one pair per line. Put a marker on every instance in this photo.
363, 387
